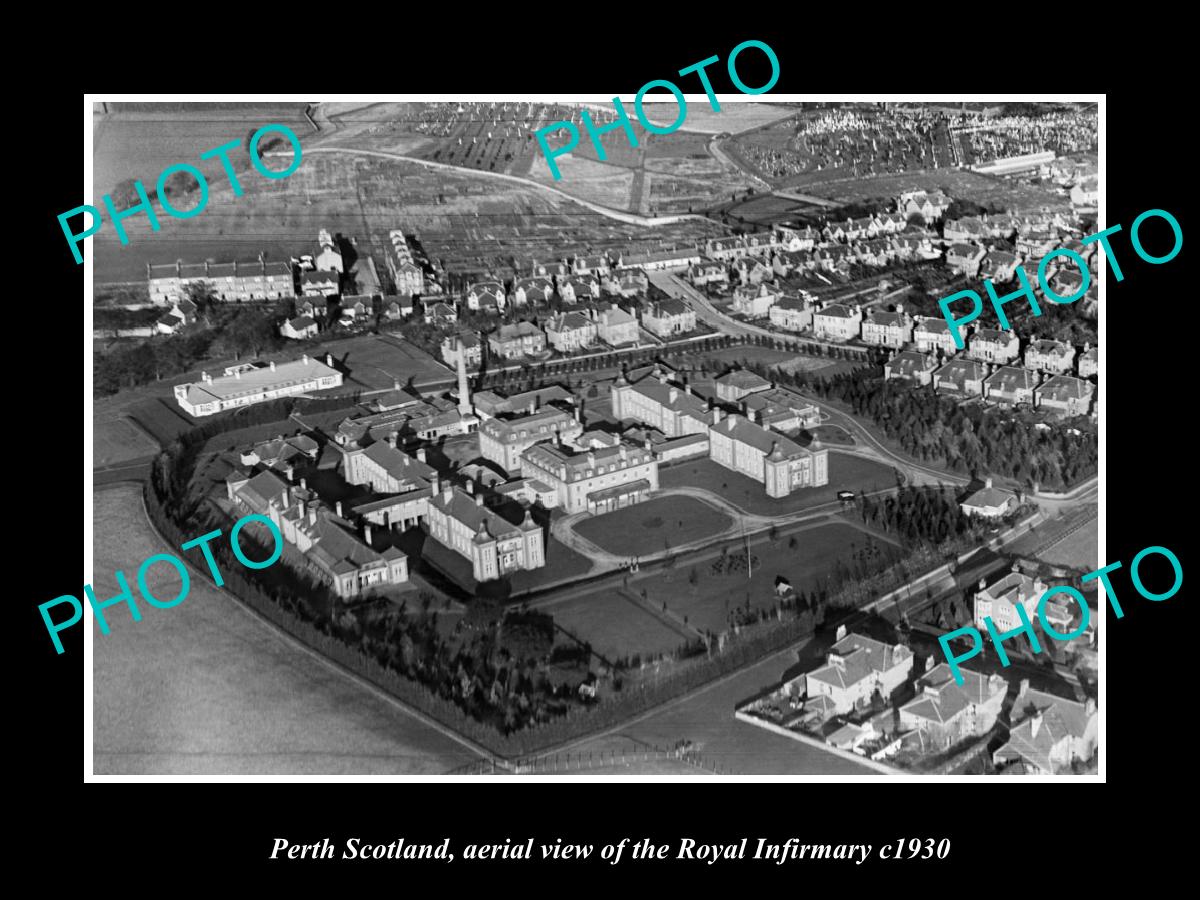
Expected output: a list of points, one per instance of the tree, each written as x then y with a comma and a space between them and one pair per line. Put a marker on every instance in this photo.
180, 184
125, 194
203, 294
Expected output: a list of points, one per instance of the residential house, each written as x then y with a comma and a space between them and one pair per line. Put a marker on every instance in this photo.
534, 290
836, 322
579, 288
631, 282
597, 265
988, 502
999, 600
725, 249
438, 313
1011, 385
708, 273
963, 376
994, 346
998, 266
792, 238
932, 333
1089, 361
1049, 733
965, 258
1065, 394
664, 258
946, 712
792, 314
318, 283
967, 229
516, 341
754, 302
570, 332
395, 308
887, 329
909, 364
299, 328
856, 667
487, 296
615, 326
1054, 357
669, 317
467, 343
786, 262
751, 271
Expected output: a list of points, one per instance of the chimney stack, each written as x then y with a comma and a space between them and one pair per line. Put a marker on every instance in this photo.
304, 484
367, 533
272, 365
329, 360
312, 515
339, 509
987, 483
421, 454
470, 487
1036, 724
479, 499
304, 359
447, 493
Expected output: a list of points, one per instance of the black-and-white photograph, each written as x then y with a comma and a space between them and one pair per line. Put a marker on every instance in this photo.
697, 437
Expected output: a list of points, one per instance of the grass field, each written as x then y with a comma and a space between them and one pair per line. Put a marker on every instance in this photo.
117, 440
204, 688
600, 182
615, 626
378, 361
140, 140
846, 472
708, 602
648, 527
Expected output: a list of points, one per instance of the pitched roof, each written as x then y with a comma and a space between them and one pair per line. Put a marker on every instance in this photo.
860, 657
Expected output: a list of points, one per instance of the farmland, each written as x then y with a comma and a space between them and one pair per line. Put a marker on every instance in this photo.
664, 174
207, 689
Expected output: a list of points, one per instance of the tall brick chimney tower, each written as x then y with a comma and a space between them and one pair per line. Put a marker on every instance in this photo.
464, 397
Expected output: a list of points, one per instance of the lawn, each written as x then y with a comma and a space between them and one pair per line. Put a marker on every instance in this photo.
708, 599
651, 526
377, 362
846, 473
117, 440
614, 625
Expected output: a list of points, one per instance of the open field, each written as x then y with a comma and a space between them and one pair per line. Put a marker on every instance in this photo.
708, 603
139, 140
603, 183
615, 625
701, 117
648, 527
116, 440
377, 362
206, 689
706, 719
846, 473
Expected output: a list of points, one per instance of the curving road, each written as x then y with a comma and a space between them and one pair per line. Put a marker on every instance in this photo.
627, 218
